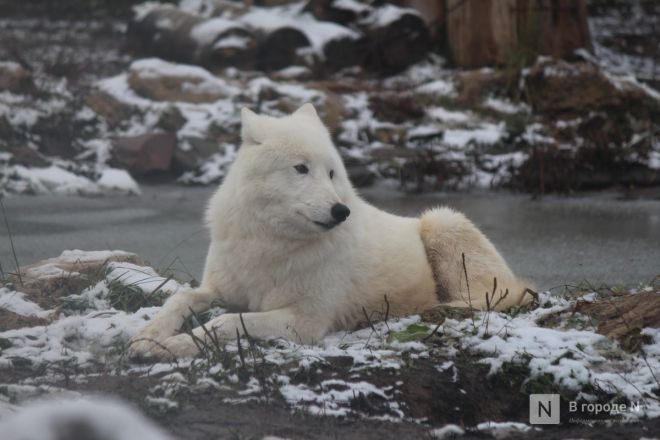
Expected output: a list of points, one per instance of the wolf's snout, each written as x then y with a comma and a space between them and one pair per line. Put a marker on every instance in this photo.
339, 212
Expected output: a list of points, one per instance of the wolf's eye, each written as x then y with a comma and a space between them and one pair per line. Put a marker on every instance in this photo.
332, 173
302, 168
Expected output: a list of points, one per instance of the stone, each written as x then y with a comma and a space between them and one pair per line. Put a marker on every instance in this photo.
15, 78
146, 153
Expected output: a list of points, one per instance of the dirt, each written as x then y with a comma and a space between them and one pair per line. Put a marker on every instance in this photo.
206, 414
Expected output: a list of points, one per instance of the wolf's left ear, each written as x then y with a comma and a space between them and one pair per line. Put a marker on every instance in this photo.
306, 109
249, 126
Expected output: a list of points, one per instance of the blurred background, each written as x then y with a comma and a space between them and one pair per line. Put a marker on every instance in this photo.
499, 108
540, 119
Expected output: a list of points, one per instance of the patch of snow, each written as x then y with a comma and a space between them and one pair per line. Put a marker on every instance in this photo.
17, 303
118, 180
487, 133
439, 87
447, 432
146, 278
319, 33
106, 419
213, 170
501, 430
52, 267
505, 106
208, 31
442, 114
55, 180
388, 14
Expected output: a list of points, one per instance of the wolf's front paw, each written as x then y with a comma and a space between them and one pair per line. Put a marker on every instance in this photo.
144, 342
175, 347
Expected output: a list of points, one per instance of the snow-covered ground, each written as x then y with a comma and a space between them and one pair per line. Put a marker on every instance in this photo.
86, 334
418, 129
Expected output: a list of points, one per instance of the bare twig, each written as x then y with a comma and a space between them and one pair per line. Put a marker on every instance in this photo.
387, 312
467, 284
435, 330
11, 242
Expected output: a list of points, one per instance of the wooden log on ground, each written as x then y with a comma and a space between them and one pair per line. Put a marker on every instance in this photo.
171, 34
279, 48
397, 37
344, 12
624, 317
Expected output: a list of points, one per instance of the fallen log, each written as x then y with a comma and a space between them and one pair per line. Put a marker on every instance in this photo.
171, 34
624, 317
397, 37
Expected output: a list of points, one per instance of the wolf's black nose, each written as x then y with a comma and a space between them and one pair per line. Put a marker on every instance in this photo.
340, 212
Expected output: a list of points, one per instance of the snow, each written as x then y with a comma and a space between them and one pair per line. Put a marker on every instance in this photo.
388, 14
447, 432
146, 278
330, 400
104, 418
232, 41
120, 180
54, 267
213, 170
208, 31
501, 430
15, 302
574, 356
444, 115
156, 68
55, 180
351, 5
441, 87
319, 33
488, 133
504, 106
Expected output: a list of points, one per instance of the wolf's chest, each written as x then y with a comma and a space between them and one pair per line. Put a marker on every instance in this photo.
254, 279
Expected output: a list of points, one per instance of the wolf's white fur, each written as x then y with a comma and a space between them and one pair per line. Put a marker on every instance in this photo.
299, 280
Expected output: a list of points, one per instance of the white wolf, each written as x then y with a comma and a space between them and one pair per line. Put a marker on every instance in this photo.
295, 246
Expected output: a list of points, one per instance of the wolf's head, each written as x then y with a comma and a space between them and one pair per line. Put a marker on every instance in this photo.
290, 175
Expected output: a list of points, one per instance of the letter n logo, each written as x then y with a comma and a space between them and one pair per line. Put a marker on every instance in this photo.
544, 409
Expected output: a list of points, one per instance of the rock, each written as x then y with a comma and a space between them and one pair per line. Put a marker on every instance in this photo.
195, 155
395, 108
112, 110
145, 154
174, 88
389, 135
476, 85
560, 88
48, 280
26, 156
14, 78
171, 119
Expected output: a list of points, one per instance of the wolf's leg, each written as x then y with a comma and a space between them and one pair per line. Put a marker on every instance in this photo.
280, 323
468, 269
170, 318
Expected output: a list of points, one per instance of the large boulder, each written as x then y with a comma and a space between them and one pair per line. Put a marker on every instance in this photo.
146, 153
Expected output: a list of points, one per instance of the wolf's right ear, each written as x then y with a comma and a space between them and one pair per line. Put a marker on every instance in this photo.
249, 126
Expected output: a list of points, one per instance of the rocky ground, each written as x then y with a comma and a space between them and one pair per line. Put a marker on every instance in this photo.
66, 322
84, 111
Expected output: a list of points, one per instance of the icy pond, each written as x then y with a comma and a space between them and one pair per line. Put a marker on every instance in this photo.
553, 241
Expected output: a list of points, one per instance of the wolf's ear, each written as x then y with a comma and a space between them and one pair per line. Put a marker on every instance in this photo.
306, 109
249, 126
